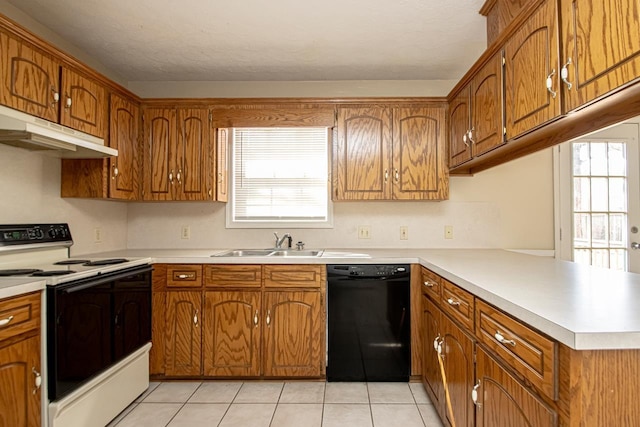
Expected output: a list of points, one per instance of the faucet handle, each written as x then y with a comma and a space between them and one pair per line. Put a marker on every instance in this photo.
300, 245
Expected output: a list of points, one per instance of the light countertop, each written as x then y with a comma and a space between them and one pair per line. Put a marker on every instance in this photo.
581, 307
11, 286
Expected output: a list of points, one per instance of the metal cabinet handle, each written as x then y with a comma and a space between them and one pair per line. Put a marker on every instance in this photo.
470, 133
171, 176
68, 103
396, 175
255, 319
464, 138
186, 276
451, 301
564, 74
436, 343
37, 380
386, 176
56, 96
428, 284
5, 322
219, 177
210, 193
116, 172
179, 176
502, 340
550, 83
474, 394
268, 317
195, 318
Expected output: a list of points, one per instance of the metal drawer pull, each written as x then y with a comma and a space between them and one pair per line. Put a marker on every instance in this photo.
6, 321
37, 380
474, 394
550, 83
186, 276
451, 301
428, 284
501, 339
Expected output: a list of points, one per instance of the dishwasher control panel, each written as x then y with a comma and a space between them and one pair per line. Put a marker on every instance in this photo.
368, 270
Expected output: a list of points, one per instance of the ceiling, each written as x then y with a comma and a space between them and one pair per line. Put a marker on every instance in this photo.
279, 40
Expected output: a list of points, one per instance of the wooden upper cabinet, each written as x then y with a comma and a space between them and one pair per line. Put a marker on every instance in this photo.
183, 333
124, 170
30, 78
459, 126
419, 154
486, 107
362, 157
159, 145
600, 49
191, 155
221, 162
83, 104
532, 64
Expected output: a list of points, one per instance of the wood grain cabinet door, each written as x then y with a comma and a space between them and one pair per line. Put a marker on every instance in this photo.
221, 162
191, 153
419, 154
232, 332
124, 170
19, 396
183, 333
459, 126
531, 56
362, 155
83, 104
159, 145
486, 106
30, 79
601, 47
431, 377
293, 334
504, 402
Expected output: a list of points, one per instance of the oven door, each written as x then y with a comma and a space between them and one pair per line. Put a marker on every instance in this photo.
93, 323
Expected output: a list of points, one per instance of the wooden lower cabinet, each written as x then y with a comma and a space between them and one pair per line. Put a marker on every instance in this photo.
503, 401
183, 333
19, 397
232, 331
294, 325
431, 377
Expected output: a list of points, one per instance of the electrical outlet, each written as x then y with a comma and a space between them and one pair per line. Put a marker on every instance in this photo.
97, 235
186, 232
404, 232
364, 232
448, 231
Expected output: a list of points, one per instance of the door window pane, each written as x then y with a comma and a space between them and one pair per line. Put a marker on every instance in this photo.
599, 194
581, 194
599, 162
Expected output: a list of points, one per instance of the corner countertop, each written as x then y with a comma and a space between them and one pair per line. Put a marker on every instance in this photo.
582, 307
11, 286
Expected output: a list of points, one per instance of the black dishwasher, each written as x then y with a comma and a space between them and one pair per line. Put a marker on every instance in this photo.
369, 332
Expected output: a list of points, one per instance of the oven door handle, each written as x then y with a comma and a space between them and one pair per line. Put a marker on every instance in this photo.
91, 282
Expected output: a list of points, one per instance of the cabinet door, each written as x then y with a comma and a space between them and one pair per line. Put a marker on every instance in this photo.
458, 366
486, 104
30, 79
531, 56
19, 396
419, 154
294, 334
431, 377
191, 153
159, 147
184, 333
504, 402
601, 38
362, 155
459, 125
222, 169
84, 104
123, 135
232, 333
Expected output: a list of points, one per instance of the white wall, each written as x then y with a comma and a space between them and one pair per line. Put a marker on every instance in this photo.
30, 193
510, 206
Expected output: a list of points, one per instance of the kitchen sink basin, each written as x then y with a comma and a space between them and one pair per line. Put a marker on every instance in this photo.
268, 252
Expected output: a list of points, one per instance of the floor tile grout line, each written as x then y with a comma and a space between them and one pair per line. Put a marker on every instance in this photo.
230, 403
183, 404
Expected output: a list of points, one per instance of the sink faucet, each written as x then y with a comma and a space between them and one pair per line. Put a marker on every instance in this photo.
280, 240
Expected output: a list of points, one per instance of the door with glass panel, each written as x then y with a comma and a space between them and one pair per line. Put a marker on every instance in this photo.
599, 199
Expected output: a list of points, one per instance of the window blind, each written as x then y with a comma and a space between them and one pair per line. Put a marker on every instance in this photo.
280, 174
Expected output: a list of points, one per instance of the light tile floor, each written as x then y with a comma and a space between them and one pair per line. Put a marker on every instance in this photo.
280, 404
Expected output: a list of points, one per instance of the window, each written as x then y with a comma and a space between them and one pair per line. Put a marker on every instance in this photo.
279, 178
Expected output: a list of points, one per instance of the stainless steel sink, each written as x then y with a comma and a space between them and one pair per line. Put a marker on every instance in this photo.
269, 252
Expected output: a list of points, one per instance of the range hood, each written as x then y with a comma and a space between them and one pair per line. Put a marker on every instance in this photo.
32, 133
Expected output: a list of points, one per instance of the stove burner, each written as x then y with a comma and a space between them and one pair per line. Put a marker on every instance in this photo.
71, 262
106, 262
52, 273
18, 272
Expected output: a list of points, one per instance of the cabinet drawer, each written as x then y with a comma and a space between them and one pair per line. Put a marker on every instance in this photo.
294, 276
233, 275
431, 284
458, 303
19, 315
184, 276
527, 352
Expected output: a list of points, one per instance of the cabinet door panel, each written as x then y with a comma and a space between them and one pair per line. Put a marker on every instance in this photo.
419, 159
294, 334
193, 136
602, 38
184, 333
19, 398
30, 79
84, 104
504, 402
486, 122
531, 56
459, 124
458, 367
159, 145
363, 155
123, 136
222, 143
232, 333
432, 378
